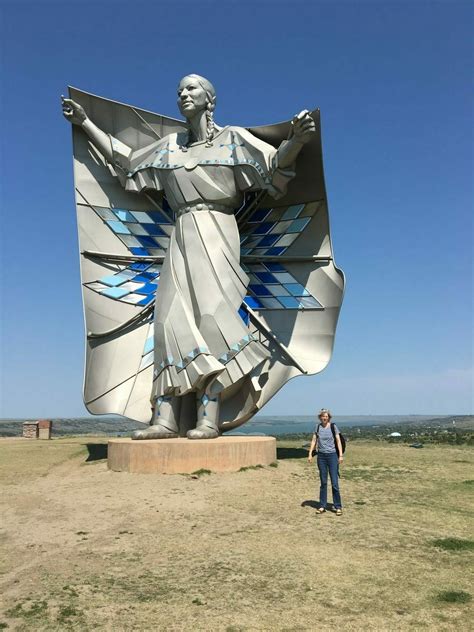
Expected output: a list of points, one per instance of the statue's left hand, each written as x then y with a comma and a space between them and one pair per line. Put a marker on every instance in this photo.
73, 112
303, 126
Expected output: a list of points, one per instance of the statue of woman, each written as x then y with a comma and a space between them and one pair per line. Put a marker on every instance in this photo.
202, 344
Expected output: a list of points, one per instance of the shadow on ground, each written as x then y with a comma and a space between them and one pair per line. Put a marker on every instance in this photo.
292, 453
310, 503
96, 451
314, 504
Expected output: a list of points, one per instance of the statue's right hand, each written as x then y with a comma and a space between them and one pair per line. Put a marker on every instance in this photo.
73, 112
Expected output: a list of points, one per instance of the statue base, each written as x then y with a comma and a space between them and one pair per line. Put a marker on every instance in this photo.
185, 456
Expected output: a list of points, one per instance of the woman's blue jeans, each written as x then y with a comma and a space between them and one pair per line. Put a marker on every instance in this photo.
328, 461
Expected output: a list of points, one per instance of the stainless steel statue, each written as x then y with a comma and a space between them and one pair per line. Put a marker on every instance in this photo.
207, 269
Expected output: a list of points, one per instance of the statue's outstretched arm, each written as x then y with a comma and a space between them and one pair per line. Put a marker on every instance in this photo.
76, 115
303, 128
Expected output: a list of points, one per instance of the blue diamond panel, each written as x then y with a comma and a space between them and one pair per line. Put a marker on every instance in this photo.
148, 355
272, 231
273, 287
136, 284
144, 233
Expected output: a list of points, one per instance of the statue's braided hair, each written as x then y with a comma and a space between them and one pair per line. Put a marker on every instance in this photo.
211, 104
207, 86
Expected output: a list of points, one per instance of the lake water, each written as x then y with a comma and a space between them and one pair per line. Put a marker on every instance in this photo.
275, 425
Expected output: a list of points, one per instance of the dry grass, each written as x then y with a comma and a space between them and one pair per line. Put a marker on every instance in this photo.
85, 548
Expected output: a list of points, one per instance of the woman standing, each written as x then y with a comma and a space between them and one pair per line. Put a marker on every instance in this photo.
329, 450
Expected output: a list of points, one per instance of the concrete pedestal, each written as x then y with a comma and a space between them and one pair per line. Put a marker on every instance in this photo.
184, 456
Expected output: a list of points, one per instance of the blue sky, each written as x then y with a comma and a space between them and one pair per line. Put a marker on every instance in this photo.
393, 81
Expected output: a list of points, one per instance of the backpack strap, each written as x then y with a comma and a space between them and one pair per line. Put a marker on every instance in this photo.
334, 435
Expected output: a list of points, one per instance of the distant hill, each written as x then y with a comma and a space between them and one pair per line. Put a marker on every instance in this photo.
109, 426
114, 425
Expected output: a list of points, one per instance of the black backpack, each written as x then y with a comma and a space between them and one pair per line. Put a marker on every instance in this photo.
341, 437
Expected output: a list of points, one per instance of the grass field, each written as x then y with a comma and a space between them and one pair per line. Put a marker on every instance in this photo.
84, 548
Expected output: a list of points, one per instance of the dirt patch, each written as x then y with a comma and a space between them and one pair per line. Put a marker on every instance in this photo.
85, 548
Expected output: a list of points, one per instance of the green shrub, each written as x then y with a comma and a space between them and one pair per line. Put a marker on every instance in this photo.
454, 544
250, 467
201, 472
28, 609
65, 612
454, 596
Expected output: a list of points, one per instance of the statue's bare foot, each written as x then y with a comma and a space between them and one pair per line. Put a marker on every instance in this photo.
158, 431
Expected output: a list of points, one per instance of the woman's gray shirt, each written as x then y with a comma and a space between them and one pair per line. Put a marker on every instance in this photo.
326, 443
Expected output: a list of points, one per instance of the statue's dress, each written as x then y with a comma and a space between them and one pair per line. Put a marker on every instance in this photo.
201, 341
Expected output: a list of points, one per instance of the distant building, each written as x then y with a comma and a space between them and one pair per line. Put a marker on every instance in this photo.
394, 434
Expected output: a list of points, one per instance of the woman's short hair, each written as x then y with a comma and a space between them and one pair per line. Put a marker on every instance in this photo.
325, 410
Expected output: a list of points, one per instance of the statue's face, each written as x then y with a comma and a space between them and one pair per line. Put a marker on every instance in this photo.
192, 97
